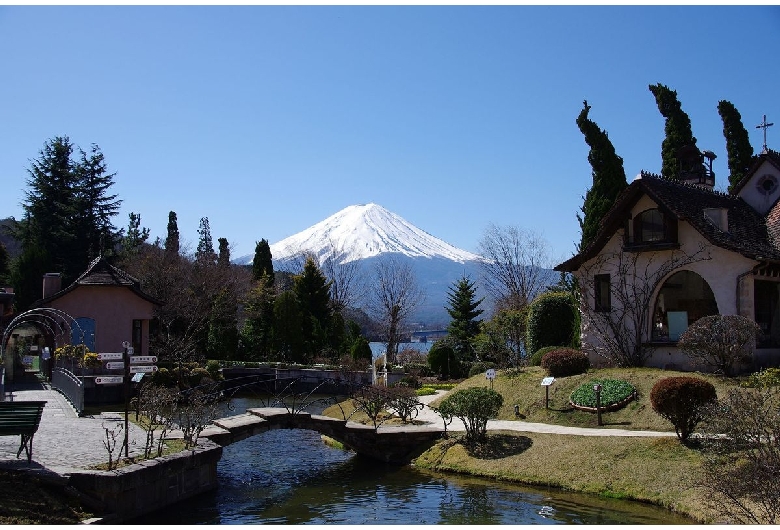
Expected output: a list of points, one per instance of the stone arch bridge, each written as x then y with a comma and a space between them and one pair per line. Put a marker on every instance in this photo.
396, 444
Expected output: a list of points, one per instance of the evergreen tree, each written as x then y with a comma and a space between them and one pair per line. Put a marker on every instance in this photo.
258, 331
609, 177
5, 267
135, 235
678, 130
67, 217
738, 146
222, 340
262, 264
288, 338
464, 310
205, 251
172, 239
312, 290
223, 259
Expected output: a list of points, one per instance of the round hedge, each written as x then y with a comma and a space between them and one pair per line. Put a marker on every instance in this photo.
613, 392
565, 361
682, 400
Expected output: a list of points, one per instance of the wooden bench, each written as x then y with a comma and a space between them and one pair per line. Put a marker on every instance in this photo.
21, 418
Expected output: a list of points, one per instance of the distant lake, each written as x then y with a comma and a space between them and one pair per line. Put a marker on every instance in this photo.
378, 348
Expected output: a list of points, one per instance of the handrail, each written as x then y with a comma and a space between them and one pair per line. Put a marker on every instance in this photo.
70, 386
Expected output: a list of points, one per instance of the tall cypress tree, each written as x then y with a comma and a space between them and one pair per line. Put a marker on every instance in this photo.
678, 130
172, 239
312, 290
223, 259
609, 177
262, 264
738, 146
205, 251
463, 308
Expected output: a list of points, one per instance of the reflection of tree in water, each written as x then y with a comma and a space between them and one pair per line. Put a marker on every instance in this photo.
468, 505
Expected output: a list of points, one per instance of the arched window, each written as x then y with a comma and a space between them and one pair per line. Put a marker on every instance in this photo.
684, 298
653, 226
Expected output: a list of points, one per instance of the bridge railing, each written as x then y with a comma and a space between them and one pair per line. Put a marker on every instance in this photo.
70, 386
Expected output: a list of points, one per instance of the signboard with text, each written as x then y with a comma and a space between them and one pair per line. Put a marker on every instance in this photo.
109, 380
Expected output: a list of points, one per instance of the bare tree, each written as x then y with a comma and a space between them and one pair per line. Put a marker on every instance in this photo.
621, 331
395, 297
516, 265
347, 287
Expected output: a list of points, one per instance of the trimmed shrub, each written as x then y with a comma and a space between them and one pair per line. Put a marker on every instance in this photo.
420, 369
442, 361
480, 368
425, 391
561, 362
721, 342
536, 358
212, 367
551, 321
683, 401
474, 406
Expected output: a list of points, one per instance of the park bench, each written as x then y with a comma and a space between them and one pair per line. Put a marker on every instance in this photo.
21, 418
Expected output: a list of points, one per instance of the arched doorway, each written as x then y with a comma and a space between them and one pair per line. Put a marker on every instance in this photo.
684, 298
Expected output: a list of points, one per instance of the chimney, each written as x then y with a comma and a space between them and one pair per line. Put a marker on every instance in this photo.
52, 283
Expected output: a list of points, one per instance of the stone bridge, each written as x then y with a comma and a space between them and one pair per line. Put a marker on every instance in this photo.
395, 444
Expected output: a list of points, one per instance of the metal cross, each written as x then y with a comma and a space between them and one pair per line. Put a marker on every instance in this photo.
764, 125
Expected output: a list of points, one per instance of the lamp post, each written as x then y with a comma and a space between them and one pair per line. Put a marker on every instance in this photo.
597, 390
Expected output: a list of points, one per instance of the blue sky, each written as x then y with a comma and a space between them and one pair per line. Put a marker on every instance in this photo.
269, 119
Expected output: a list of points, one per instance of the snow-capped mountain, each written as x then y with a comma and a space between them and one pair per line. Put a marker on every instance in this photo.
364, 231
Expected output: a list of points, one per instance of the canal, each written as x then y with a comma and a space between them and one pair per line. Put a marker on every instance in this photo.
292, 477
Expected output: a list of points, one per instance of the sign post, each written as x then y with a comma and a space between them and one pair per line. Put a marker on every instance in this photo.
490, 374
126, 359
546, 382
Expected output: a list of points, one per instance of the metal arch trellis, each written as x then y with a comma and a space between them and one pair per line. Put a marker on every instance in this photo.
47, 317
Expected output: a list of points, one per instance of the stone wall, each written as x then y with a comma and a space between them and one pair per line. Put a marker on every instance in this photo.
149, 485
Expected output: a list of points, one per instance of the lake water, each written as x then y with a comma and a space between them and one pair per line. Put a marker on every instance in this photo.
292, 477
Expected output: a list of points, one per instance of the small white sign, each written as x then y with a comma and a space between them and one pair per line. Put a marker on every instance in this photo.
110, 356
547, 381
143, 369
143, 359
490, 374
109, 380
137, 378
115, 366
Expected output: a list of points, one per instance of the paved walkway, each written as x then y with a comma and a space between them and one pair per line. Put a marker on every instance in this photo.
66, 442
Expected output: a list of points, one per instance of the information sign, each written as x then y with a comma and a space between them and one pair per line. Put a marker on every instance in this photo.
143, 368
111, 356
490, 374
115, 366
143, 359
109, 380
547, 381
137, 377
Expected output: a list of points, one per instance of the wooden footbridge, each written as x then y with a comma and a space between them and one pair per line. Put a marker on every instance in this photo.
389, 444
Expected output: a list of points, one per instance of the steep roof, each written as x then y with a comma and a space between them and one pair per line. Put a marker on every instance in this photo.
102, 273
747, 230
770, 155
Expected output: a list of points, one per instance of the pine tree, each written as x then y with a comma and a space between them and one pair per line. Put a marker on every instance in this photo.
205, 251
223, 259
95, 206
135, 235
738, 146
172, 239
262, 264
609, 177
678, 130
5, 267
464, 310
312, 290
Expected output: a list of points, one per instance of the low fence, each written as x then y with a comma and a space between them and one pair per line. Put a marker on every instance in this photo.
70, 386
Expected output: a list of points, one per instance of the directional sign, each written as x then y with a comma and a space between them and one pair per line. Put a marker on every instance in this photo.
143, 359
109, 380
547, 381
490, 374
137, 378
115, 366
110, 356
143, 369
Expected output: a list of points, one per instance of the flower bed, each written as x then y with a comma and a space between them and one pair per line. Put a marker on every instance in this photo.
615, 394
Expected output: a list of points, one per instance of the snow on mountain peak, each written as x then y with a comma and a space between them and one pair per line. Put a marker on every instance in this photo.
363, 231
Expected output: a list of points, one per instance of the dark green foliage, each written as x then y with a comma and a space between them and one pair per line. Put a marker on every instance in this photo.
288, 340
502, 338
536, 358
135, 235
205, 251
551, 321
172, 239
738, 147
360, 350
262, 264
464, 310
5, 267
474, 406
683, 401
480, 368
222, 340
609, 177
443, 361
613, 391
312, 291
223, 258
678, 130
212, 367
67, 217
565, 361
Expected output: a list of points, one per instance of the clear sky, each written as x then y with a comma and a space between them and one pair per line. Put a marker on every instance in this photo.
269, 119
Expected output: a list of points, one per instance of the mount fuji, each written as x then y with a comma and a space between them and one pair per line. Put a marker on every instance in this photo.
365, 232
